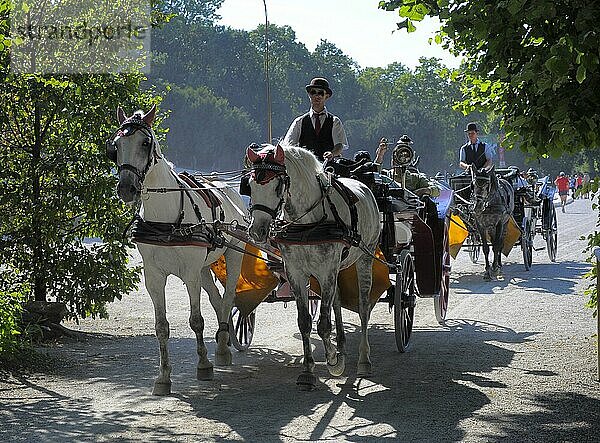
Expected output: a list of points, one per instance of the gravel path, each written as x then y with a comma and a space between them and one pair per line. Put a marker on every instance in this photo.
515, 362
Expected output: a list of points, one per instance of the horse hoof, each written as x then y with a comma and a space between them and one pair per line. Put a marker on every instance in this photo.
487, 277
364, 369
161, 389
338, 368
223, 359
307, 381
205, 374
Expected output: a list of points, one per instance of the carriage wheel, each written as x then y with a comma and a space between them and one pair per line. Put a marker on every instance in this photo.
552, 235
472, 242
242, 327
441, 300
314, 307
404, 300
527, 243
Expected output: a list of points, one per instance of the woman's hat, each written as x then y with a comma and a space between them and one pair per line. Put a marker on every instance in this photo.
472, 127
321, 83
562, 174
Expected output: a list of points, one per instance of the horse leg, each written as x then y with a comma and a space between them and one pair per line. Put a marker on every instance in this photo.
222, 352
340, 334
335, 365
364, 267
487, 276
497, 247
155, 284
307, 379
204, 369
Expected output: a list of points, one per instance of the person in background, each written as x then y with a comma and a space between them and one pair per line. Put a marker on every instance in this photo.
572, 185
578, 184
562, 184
475, 152
318, 130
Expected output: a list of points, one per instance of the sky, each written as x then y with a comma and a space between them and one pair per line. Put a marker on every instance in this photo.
357, 27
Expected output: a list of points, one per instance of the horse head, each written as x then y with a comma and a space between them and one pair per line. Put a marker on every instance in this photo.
134, 150
484, 183
269, 184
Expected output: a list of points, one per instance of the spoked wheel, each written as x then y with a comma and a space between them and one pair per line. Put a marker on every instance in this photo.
527, 243
314, 306
404, 300
552, 234
440, 301
473, 247
241, 329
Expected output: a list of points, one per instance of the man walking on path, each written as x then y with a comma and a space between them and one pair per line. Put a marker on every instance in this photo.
562, 183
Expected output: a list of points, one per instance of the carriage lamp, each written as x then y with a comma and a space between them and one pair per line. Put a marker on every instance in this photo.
402, 156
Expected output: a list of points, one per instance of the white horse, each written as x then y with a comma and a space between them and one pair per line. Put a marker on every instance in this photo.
289, 182
180, 240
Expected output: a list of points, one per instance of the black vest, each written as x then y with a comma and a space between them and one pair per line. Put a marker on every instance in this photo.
475, 157
317, 144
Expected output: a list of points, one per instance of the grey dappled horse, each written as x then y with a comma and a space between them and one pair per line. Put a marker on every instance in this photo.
289, 183
143, 168
494, 204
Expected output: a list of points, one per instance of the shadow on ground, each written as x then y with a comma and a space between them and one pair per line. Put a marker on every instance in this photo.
421, 395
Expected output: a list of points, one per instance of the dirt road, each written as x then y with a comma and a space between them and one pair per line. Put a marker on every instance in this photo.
516, 361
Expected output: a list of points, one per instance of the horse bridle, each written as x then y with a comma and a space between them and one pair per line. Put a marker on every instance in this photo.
479, 198
136, 124
280, 173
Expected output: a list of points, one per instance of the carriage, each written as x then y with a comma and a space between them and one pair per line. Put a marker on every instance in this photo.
413, 248
351, 242
533, 214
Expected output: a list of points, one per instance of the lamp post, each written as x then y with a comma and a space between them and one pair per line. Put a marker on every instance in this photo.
269, 130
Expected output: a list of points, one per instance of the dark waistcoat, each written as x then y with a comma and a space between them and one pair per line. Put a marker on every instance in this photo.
317, 144
477, 156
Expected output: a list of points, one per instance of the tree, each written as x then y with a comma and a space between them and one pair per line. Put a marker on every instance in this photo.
57, 189
534, 63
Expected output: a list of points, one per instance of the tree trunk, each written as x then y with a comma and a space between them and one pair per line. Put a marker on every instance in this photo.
39, 281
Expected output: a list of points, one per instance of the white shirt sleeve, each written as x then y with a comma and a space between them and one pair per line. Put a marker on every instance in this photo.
462, 156
338, 133
292, 137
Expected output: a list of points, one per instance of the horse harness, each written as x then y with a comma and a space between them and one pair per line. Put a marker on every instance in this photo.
294, 233
178, 233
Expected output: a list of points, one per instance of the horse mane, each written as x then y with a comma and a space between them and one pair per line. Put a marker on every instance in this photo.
305, 164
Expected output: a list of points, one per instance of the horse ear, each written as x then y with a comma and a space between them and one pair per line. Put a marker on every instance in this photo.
149, 116
121, 117
252, 156
279, 155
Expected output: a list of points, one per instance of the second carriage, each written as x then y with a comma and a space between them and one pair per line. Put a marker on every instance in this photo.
534, 213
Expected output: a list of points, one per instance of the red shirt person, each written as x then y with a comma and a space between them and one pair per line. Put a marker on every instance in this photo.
562, 183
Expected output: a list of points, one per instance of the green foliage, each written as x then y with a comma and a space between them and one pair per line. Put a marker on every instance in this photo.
57, 187
201, 147
10, 313
530, 62
593, 240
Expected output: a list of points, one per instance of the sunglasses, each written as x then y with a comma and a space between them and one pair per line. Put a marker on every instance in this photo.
317, 92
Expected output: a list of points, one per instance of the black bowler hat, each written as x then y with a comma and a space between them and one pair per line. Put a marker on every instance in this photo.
472, 127
321, 83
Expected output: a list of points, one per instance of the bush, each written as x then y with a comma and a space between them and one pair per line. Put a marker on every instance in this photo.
10, 317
